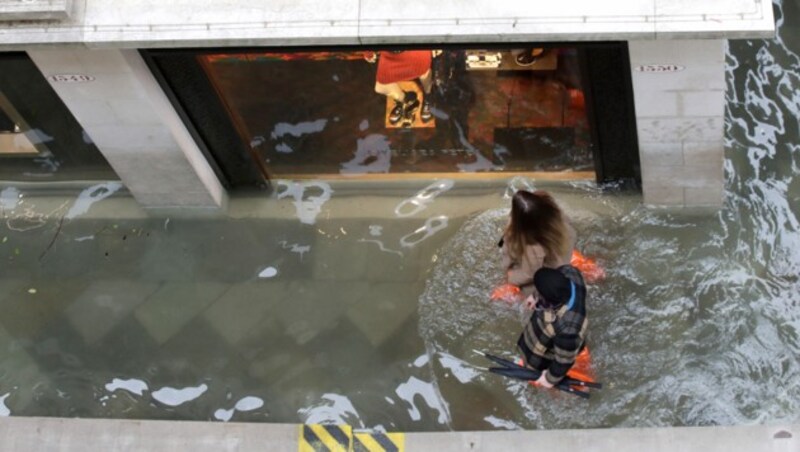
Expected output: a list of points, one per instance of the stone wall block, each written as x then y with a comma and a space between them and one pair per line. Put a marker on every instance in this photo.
660, 153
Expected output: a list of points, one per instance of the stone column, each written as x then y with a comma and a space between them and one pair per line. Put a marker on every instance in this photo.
679, 94
129, 118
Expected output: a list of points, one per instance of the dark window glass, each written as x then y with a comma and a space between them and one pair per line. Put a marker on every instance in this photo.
308, 114
40, 140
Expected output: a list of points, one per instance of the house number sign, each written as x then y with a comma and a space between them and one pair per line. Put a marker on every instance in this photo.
659, 68
71, 78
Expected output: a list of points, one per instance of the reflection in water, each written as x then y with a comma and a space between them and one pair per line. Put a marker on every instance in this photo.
431, 227
420, 201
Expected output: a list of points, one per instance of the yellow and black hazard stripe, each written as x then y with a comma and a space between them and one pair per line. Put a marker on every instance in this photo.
325, 438
378, 442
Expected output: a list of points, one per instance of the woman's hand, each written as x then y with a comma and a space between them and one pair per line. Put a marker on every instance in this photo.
530, 302
371, 57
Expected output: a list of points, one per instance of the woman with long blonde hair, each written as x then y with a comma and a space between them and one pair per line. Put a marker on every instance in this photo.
538, 235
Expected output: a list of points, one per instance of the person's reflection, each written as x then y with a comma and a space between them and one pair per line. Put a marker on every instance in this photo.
406, 65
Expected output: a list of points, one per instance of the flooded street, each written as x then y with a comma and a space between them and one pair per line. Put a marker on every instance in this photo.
361, 302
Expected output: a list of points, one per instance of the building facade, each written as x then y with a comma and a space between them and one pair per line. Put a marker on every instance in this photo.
187, 101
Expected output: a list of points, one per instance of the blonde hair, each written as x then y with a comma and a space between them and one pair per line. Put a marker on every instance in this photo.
536, 219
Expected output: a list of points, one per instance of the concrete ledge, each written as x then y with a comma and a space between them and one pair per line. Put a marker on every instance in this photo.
35, 9
88, 435
201, 23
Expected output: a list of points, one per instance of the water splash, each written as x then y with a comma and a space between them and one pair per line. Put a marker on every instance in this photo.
332, 409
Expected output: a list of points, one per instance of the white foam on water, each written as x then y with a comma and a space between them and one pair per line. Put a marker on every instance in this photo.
84, 238
463, 371
295, 248
421, 360
298, 129
249, 403
90, 196
307, 206
131, 385
416, 387
501, 423
9, 198
333, 409
4, 411
224, 415
381, 246
268, 272
375, 230
174, 397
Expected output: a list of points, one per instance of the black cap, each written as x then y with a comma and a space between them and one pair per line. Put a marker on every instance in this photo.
553, 286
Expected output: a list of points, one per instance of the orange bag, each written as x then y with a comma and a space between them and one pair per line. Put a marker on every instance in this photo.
591, 271
507, 292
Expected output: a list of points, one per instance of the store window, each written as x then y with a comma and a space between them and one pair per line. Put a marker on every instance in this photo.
412, 111
40, 140
560, 111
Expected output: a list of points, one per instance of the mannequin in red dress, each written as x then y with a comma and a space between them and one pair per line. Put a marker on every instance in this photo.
398, 66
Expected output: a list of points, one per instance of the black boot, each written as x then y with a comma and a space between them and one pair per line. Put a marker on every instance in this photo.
410, 106
425, 114
396, 114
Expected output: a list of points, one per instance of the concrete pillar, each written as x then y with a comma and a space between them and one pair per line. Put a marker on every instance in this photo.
679, 94
129, 118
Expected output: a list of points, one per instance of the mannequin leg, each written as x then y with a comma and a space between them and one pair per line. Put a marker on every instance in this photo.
426, 81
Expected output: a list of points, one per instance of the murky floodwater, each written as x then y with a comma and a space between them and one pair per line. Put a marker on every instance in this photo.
329, 305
